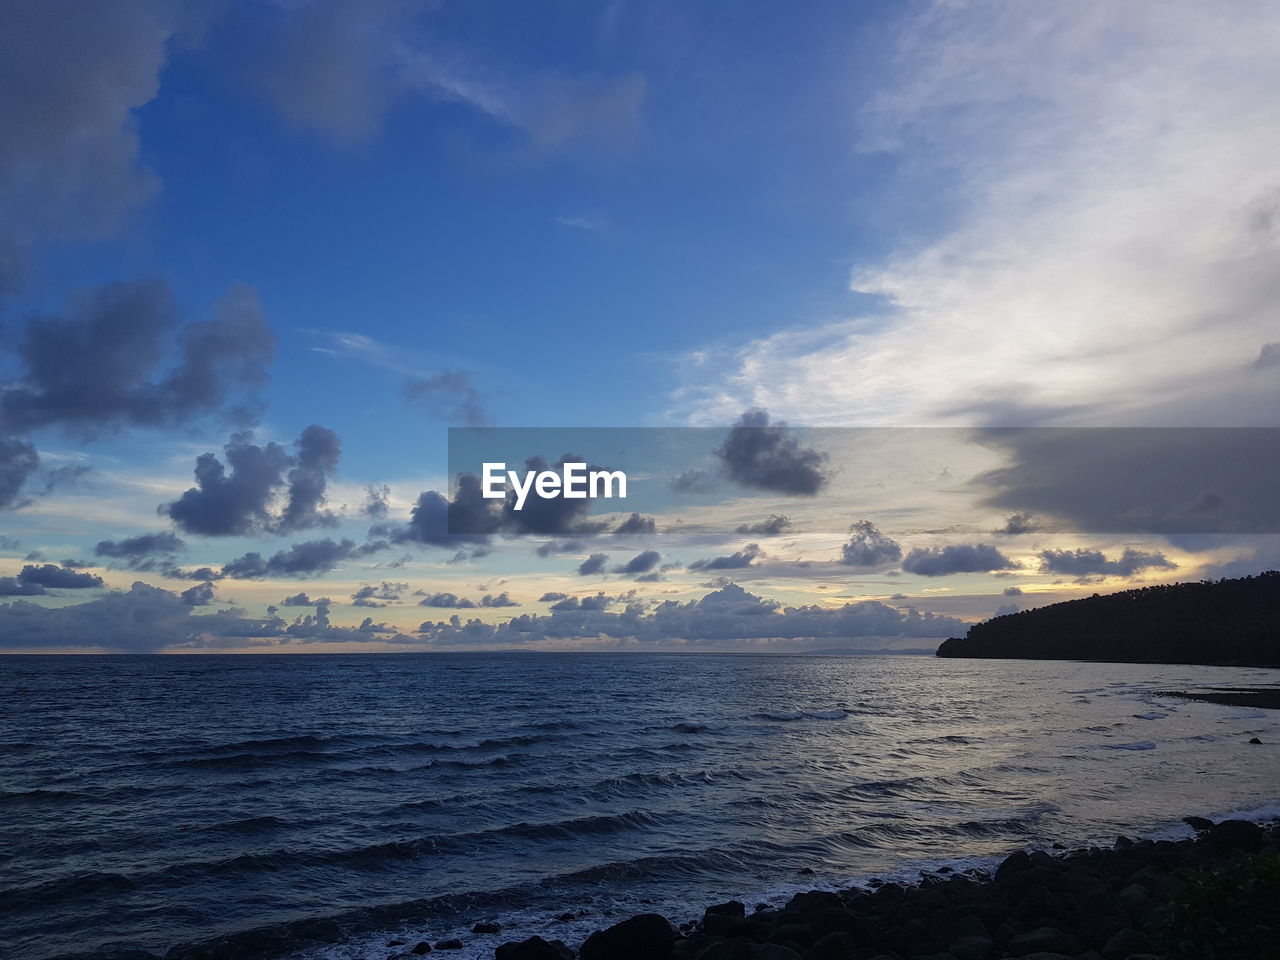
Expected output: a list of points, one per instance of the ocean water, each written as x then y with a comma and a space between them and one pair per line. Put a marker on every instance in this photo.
148, 802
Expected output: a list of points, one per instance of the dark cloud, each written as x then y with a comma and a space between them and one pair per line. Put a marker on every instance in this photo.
498, 600
318, 453
1086, 563
1012, 591
552, 596
201, 595
378, 596
1017, 523
434, 517
15, 587
553, 516
1139, 480
18, 461
735, 561
95, 368
728, 616
693, 481
640, 563
447, 600
558, 546
306, 559
51, 575
451, 395
636, 524
868, 547
776, 525
241, 502
377, 502
236, 503
1006, 609
966, 558
768, 457
147, 618
593, 564
140, 552
302, 600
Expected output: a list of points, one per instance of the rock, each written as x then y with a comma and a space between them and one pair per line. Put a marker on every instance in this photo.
1014, 864
486, 926
644, 937
1125, 943
1255, 740
1043, 940
451, 944
969, 926
395, 943
1136, 902
1123, 843
733, 908
834, 946
420, 948
1236, 835
535, 948
565, 918
972, 948
746, 950
1198, 824
814, 901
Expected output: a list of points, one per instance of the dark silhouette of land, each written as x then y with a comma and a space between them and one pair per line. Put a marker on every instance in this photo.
1223, 622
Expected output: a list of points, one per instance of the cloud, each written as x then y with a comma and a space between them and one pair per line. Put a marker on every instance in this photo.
306, 559
727, 617
1085, 563
776, 525
868, 547
693, 481
241, 502
146, 618
735, 561
18, 461
967, 558
69, 149
434, 516
1017, 523
1268, 356
1091, 189
370, 596
551, 596
640, 563
451, 395
498, 600
593, 564
1012, 591
636, 524
447, 600
51, 575
200, 595
318, 453
140, 552
94, 368
1005, 610
767, 457
377, 501
558, 547
302, 600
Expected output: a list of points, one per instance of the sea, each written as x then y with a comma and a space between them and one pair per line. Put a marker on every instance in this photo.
322, 807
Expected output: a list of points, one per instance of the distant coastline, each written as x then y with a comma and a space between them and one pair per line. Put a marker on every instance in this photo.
1218, 623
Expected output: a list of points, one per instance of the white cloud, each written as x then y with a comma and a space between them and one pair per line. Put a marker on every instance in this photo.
1111, 254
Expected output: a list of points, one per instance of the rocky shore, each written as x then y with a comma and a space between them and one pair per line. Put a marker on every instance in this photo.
1212, 896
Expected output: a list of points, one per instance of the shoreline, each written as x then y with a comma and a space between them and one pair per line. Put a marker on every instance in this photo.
1034, 897
1091, 903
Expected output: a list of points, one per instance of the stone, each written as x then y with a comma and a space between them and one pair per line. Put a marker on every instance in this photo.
486, 926
972, 948
453, 943
1236, 835
1043, 940
648, 936
1125, 943
535, 948
420, 948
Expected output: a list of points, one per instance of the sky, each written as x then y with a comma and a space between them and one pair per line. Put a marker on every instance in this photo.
258, 257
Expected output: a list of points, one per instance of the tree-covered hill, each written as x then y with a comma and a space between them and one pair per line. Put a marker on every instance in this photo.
1213, 622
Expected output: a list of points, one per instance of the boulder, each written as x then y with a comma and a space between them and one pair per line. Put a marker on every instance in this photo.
535, 948
486, 926
1236, 835
1043, 940
645, 937
1125, 943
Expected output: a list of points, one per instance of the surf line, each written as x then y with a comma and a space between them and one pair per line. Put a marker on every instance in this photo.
573, 482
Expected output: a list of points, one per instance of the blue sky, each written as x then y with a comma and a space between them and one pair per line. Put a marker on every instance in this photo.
619, 214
